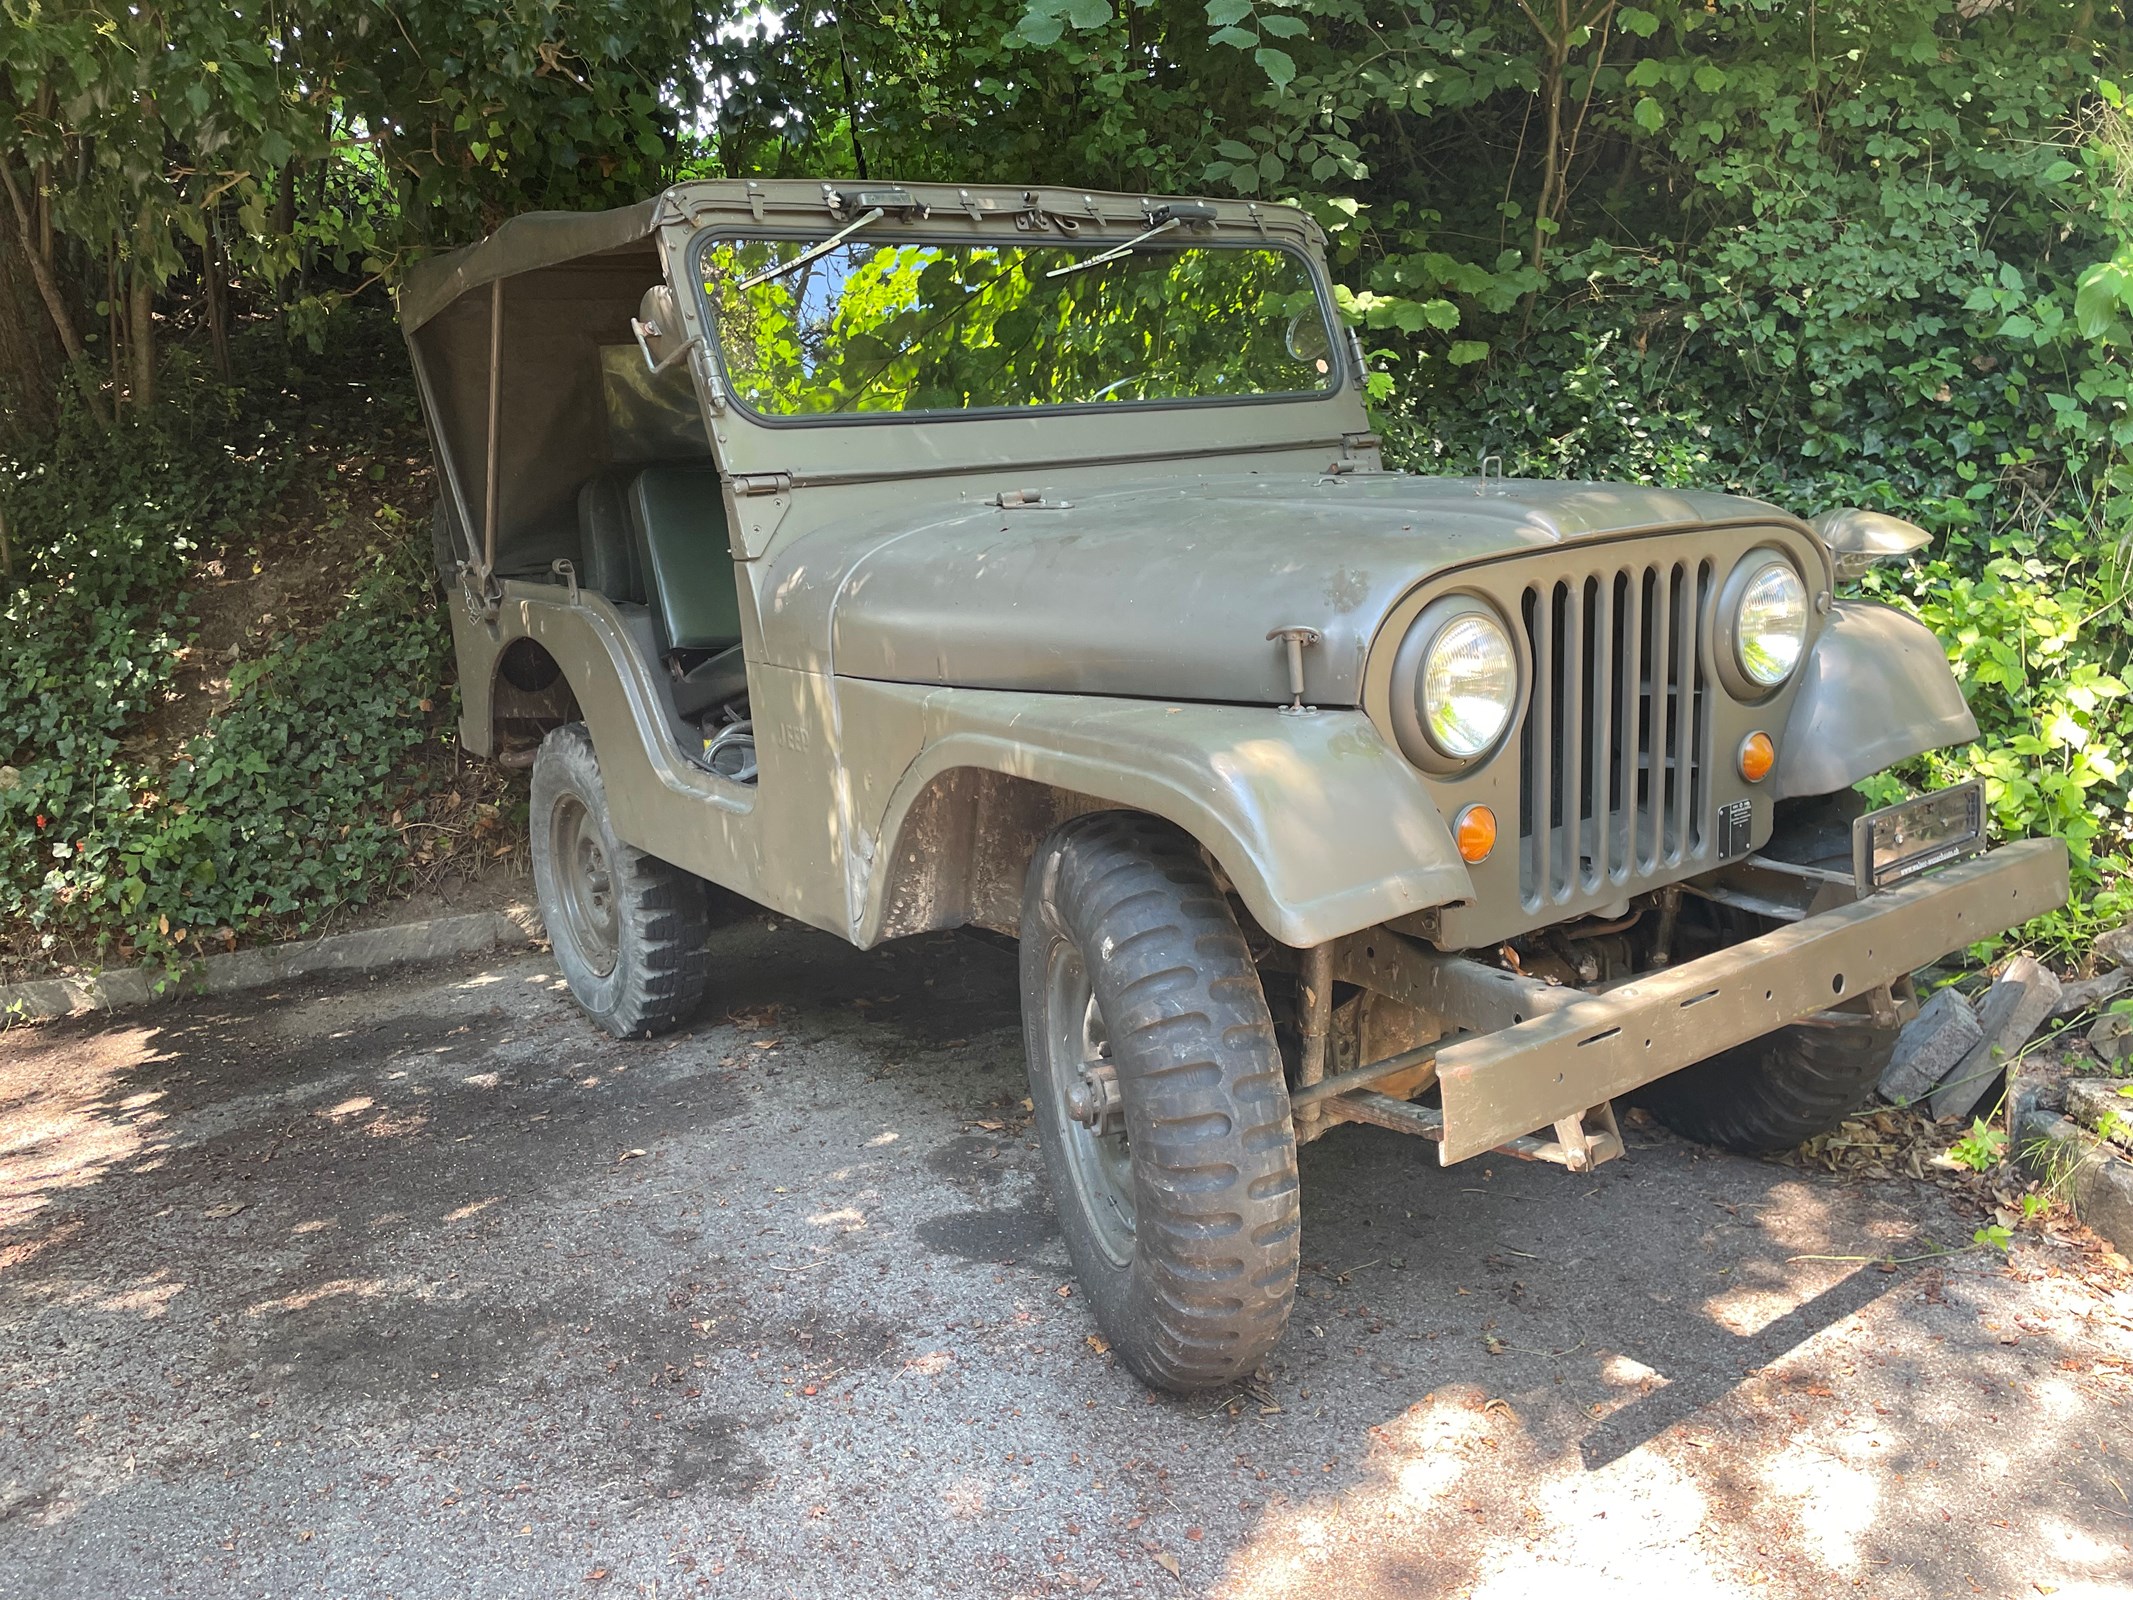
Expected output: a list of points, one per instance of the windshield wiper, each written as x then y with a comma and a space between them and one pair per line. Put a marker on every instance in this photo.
807, 258
1116, 251
1177, 214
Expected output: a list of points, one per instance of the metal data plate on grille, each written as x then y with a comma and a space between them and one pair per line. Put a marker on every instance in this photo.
1914, 836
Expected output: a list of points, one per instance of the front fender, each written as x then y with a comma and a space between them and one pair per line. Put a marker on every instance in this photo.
1877, 690
1321, 826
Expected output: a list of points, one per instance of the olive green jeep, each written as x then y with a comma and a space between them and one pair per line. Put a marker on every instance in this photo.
910, 557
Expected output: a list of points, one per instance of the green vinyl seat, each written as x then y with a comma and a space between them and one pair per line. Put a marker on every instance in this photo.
678, 519
656, 536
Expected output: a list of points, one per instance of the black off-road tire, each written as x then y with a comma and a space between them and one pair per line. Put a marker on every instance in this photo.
1210, 1277
640, 969
1774, 1092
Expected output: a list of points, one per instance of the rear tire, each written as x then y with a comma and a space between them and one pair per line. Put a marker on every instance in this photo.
1183, 1226
1774, 1092
627, 928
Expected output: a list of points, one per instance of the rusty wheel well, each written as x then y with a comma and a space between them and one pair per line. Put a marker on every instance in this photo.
530, 696
964, 846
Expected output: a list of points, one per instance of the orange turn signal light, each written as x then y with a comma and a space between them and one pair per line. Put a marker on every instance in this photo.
1757, 756
1475, 829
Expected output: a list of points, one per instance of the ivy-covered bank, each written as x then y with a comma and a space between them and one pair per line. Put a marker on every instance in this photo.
225, 701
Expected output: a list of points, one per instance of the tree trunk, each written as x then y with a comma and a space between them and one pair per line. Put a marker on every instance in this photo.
48, 291
115, 322
31, 363
211, 291
141, 334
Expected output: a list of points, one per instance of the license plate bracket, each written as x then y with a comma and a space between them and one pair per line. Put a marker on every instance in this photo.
1898, 842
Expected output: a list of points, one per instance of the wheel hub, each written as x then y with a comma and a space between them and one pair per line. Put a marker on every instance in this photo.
1095, 1101
1086, 1093
587, 886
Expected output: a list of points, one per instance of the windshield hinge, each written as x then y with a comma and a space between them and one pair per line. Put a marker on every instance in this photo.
755, 483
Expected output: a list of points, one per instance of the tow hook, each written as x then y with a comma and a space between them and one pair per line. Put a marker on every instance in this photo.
1095, 1102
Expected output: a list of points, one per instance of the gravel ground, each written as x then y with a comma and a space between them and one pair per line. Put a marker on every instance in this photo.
419, 1287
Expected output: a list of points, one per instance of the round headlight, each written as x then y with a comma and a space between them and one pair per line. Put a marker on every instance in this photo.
1770, 626
1468, 686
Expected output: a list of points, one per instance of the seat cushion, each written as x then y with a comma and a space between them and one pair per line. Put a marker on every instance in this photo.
678, 520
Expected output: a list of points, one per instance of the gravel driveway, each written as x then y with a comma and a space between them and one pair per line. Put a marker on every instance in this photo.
419, 1287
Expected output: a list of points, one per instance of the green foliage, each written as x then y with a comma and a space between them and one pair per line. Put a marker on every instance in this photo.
1981, 1148
280, 807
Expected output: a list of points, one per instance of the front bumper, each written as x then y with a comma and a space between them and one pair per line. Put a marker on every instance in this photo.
1588, 1048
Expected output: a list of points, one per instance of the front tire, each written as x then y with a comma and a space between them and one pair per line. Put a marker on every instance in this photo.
627, 928
1180, 1206
1775, 1092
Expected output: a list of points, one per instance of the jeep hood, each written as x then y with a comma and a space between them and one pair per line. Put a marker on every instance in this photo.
1168, 589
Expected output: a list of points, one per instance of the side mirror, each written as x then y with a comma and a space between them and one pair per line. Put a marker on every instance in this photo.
657, 325
1858, 538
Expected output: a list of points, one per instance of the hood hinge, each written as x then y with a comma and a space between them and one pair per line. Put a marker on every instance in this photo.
754, 483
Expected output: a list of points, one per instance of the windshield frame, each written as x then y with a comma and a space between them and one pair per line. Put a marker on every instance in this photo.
1094, 241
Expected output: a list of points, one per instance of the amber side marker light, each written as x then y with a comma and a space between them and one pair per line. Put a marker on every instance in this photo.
1757, 756
1475, 829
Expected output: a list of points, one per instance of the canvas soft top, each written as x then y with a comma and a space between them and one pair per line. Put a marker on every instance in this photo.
532, 379
524, 244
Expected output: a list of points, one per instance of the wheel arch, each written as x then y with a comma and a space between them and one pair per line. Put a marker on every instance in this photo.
529, 693
1316, 824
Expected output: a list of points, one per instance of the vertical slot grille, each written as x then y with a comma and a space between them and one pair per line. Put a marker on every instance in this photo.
1614, 779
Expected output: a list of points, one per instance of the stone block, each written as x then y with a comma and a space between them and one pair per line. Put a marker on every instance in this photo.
1929, 1047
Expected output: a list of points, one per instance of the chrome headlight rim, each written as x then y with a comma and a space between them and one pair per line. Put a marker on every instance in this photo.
1732, 661
1410, 721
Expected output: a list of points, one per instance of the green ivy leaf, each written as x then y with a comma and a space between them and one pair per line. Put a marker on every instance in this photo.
1636, 22
1276, 64
1087, 14
1465, 352
1041, 28
1648, 116
2102, 291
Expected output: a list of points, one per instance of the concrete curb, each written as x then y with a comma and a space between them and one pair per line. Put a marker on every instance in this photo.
2094, 1179
367, 950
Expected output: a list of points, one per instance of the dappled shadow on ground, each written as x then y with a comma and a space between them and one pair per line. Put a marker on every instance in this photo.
1668, 1388
425, 1287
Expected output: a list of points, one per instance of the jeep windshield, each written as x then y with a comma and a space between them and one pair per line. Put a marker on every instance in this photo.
874, 326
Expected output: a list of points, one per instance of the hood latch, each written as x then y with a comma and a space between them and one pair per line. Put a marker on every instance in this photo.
1298, 639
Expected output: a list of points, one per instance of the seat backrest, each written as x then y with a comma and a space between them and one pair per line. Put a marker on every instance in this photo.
678, 521
610, 547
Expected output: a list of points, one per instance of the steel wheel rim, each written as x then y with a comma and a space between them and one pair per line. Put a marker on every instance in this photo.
585, 884
1099, 1168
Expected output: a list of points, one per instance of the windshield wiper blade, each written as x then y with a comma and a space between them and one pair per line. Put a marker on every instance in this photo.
1116, 251
809, 257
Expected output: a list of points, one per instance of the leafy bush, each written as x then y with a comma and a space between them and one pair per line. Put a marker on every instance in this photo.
283, 805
